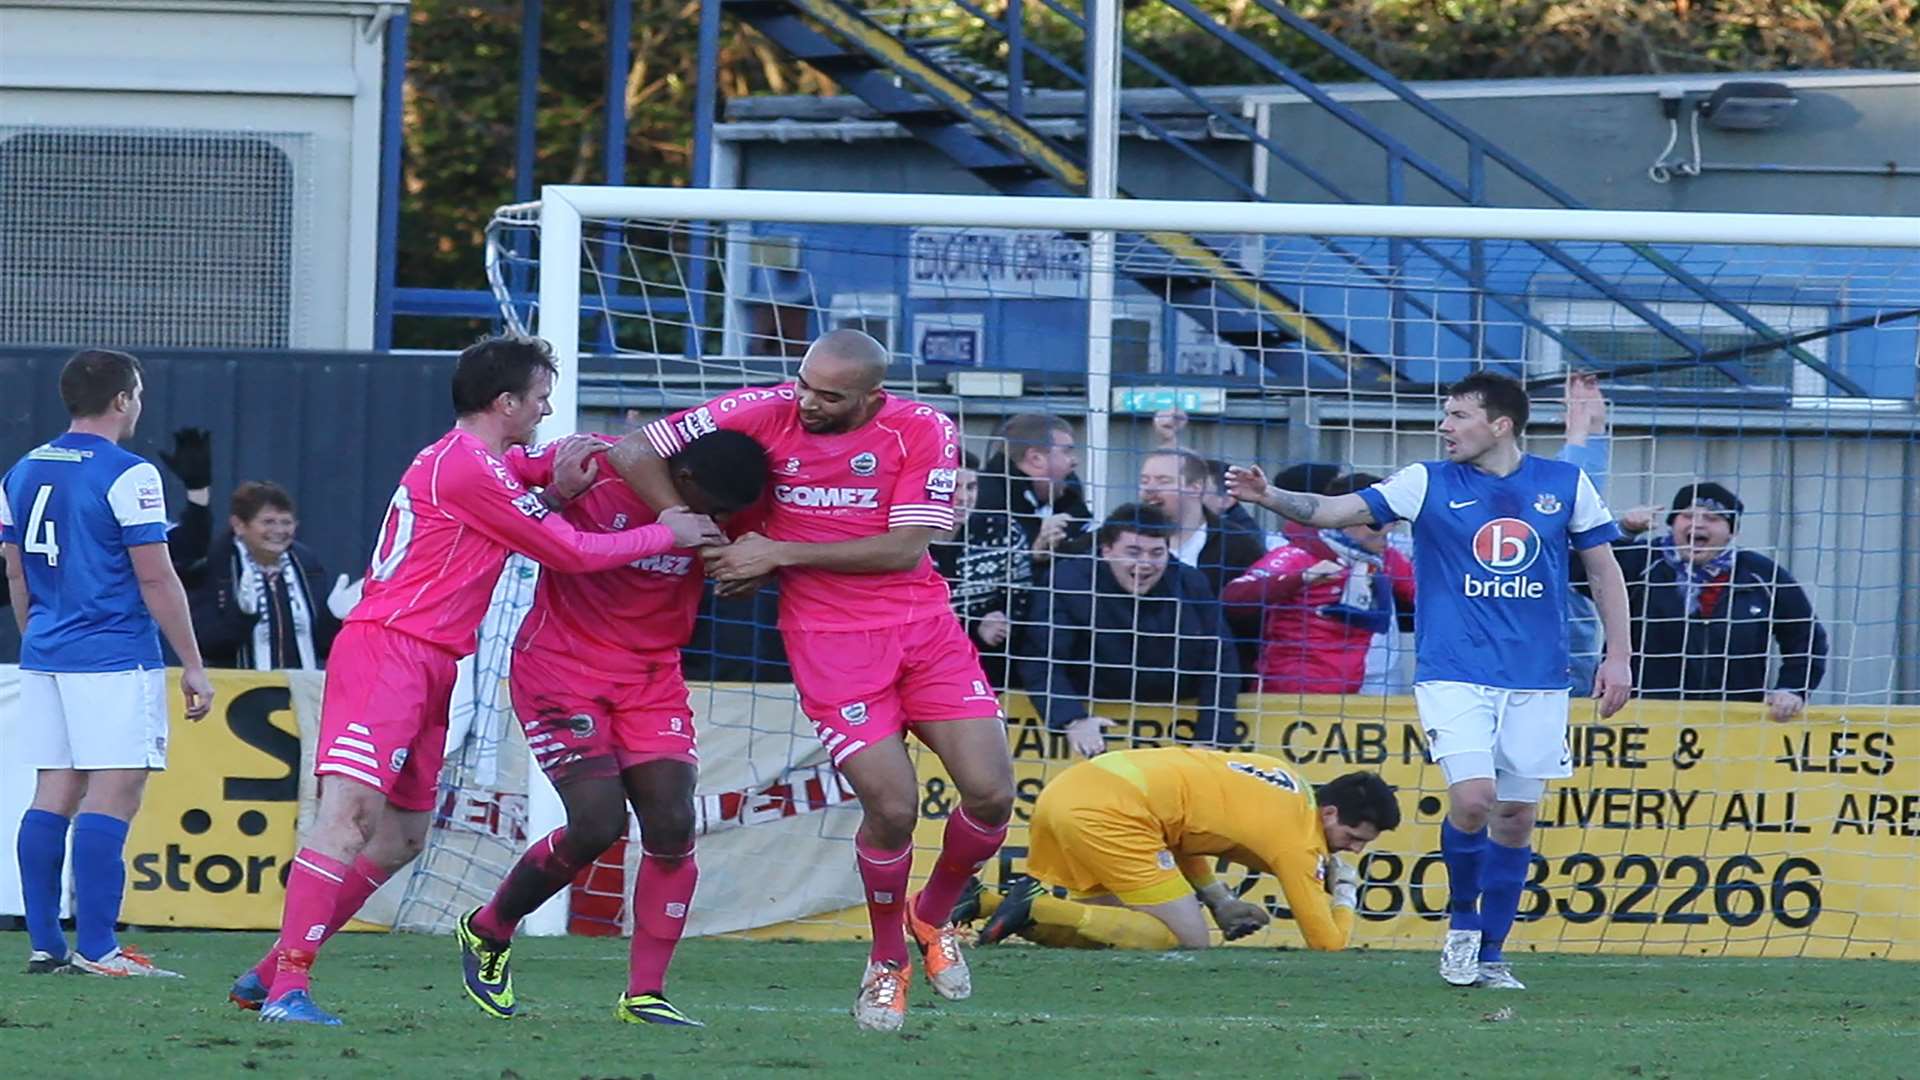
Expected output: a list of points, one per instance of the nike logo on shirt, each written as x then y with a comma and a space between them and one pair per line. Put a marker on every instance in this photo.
1451, 505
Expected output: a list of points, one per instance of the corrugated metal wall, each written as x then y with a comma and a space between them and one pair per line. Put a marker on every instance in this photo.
335, 429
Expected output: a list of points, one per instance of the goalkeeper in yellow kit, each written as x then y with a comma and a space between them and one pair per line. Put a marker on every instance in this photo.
1134, 835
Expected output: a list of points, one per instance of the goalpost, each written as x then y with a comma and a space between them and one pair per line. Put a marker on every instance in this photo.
1773, 354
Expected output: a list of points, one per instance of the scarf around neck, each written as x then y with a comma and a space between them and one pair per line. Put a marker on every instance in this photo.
1699, 579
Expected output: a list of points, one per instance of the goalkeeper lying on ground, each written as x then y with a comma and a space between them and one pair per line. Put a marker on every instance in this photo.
1134, 835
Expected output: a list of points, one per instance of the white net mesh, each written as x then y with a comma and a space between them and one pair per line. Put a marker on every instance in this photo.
1786, 375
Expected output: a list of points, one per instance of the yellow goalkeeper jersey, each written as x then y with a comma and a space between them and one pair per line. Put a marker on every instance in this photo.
1246, 808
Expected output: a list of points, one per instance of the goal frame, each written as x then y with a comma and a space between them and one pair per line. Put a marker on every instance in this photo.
563, 211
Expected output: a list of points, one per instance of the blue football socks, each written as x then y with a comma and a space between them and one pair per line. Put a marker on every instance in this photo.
1463, 853
41, 848
99, 882
1502, 878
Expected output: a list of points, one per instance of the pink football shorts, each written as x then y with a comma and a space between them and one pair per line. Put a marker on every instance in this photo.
860, 687
383, 720
577, 727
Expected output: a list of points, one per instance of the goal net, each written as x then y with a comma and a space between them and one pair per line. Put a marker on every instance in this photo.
1765, 364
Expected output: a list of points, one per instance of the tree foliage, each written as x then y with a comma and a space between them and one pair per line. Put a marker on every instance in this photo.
462, 86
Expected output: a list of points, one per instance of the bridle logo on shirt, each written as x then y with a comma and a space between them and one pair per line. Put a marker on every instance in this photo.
1505, 547
1547, 503
863, 464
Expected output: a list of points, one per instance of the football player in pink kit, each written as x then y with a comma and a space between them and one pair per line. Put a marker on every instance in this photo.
596, 684
456, 515
862, 482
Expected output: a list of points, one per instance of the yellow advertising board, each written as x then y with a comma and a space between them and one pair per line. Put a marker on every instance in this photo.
1687, 828
211, 844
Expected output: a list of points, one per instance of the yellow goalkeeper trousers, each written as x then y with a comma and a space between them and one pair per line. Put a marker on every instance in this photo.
1069, 924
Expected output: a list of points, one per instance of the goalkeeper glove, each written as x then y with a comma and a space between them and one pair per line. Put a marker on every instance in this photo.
341, 600
192, 457
1345, 884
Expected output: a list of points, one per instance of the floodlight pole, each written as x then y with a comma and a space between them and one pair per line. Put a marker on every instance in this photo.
1103, 176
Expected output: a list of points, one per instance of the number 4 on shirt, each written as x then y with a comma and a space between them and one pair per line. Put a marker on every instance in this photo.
42, 538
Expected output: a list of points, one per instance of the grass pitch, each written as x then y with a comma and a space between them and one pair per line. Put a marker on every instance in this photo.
780, 1009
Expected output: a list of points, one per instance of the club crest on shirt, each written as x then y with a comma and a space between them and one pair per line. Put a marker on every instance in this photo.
581, 724
1547, 502
791, 467
619, 522
855, 713
863, 464
399, 760
1165, 859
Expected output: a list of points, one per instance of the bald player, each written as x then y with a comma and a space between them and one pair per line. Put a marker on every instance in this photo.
862, 482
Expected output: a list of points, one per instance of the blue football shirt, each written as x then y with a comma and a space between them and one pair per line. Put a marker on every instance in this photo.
73, 507
1490, 571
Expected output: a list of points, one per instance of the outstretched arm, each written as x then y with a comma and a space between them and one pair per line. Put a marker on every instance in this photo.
1249, 484
644, 470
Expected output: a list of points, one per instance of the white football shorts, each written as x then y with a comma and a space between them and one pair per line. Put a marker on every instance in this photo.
1522, 733
93, 719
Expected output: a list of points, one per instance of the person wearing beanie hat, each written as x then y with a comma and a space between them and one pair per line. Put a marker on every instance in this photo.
1707, 612
1709, 498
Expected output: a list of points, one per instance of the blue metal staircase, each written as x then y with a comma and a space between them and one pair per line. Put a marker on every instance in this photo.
954, 105
900, 82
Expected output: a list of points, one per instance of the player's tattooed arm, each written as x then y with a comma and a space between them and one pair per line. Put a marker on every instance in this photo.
1249, 484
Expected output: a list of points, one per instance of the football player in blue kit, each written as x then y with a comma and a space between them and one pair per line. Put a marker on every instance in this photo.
1493, 530
83, 533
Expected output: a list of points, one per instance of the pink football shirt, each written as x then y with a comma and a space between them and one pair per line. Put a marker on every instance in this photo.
596, 623
898, 469
452, 521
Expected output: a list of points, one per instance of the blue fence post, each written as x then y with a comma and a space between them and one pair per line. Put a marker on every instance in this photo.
1016, 59
705, 106
525, 139
619, 63
392, 146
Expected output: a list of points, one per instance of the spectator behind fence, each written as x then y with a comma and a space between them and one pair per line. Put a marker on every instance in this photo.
1032, 481
264, 601
1168, 427
1321, 601
1177, 483
988, 564
1703, 609
1131, 625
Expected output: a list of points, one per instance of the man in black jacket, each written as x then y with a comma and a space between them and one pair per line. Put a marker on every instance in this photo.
1132, 625
1704, 610
988, 563
263, 601
1177, 483
1032, 482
